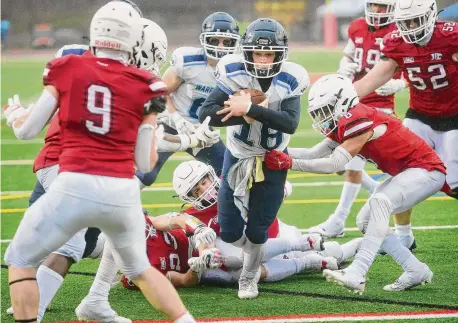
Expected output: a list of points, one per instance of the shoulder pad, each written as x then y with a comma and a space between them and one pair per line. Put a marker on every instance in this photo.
228, 68
75, 49
294, 77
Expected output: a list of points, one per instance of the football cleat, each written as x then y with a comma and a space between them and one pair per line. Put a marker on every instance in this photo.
331, 228
248, 288
355, 283
411, 279
312, 242
99, 311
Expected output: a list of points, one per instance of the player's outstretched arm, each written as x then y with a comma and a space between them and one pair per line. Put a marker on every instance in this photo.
381, 73
31, 124
212, 105
322, 149
187, 279
145, 154
336, 162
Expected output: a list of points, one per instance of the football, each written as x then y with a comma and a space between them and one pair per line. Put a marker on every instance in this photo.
257, 96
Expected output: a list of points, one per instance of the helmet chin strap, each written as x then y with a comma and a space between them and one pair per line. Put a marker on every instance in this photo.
123, 57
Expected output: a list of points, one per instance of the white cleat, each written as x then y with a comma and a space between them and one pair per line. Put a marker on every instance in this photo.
329, 263
312, 242
411, 279
354, 283
10, 311
248, 288
99, 311
331, 228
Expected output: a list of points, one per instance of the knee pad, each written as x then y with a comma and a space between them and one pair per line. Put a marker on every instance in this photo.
381, 208
453, 193
257, 235
356, 164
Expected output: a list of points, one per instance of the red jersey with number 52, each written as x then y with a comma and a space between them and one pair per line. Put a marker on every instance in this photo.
100, 110
430, 71
393, 147
167, 250
366, 53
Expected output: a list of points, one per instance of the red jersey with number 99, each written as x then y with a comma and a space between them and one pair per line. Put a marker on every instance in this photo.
393, 147
100, 110
430, 71
367, 53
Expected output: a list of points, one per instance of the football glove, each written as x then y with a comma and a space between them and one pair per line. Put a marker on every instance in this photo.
211, 258
347, 67
204, 234
391, 87
156, 105
278, 160
206, 136
13, 110
181, 124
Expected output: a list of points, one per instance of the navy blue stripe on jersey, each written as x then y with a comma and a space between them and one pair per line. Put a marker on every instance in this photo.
234, 67
190, 60
223, 88
74, 51
287, 81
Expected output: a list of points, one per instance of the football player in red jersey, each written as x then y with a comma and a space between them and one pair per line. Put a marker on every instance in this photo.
105, 130
417, 173
361, 54
426, 51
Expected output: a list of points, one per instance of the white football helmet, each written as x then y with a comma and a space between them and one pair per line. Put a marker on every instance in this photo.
330, 98
187, 175
153, 52
380, 19
116, 26
415, 20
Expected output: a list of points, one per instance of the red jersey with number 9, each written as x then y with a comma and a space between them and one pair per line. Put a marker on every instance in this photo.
100, 110
393, 147
367, 53
430, 71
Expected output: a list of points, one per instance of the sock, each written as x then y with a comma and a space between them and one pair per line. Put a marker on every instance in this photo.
380, 209
403, 230
349, 249
49, 283
368, 182
279, 269
392, 246
348, 196
185, 318
278, 246
333, 249
252, 257
100, 288
311, 261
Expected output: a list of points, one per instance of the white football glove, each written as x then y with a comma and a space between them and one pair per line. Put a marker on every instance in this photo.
196, 264
204, 234
391, 87
207, 136
159, 132
211, 258
14, 110
347, 67
181, 124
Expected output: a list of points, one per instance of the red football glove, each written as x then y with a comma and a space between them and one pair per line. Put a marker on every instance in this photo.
127, 283
278, 160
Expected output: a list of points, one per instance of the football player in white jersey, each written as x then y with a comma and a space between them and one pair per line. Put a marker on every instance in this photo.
190, 79
262, 66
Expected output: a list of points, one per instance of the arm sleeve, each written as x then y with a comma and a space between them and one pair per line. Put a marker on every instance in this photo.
322, 149
213, 104
335, 163
142, 153
349, 49
38, 118
286, 120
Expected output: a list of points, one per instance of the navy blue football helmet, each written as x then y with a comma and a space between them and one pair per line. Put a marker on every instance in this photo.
219, 24
264, 34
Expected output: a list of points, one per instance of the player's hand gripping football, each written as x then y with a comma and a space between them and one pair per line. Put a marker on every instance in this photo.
205, 135
181, 124
278, 160
14, 110
236, 106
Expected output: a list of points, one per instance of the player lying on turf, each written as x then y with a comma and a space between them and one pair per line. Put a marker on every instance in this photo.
417, 172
